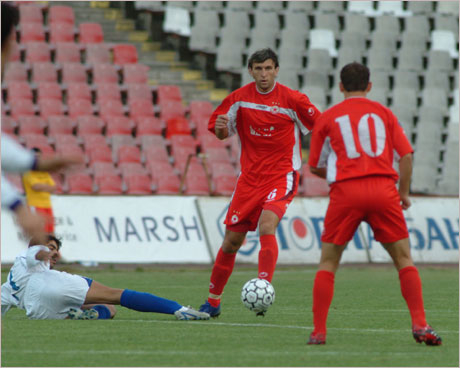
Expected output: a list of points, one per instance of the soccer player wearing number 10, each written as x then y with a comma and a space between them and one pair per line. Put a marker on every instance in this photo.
353, 146
268, 119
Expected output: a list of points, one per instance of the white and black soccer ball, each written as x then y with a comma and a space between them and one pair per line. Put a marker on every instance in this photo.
258, 295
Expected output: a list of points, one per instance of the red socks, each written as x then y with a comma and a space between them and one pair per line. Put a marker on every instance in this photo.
223, 267
323, 290
268, 256
411, 289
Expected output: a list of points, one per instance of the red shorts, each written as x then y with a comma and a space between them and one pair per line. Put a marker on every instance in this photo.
373, 199
49, 217
250, 198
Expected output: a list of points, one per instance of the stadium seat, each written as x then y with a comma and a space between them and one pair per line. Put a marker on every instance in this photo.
423, 179
49, 107
91, 141
365, 7
348, 54
201, 126
444, 41
78, 183
438, 79
97, 54
109, 184
316, 95
229, 59
139, 92
128, 154
61, 32
88, 125
30, 14
168, 93
405, 115
118, 140
394, 8
171, 109
32, 32
21, 107
379, 94
181, 141
224, 185
299, 6
412, 40
157, 168
62, 140
217, 155
447, 7
44, 72
297, 28
410, 59
70, 149
60, 125
155, 153
99, 154
356, 23
387, 23
100, 169
31, 125
384, 40
265, 20
119, 125
420, 7
138, 184
405, 96
73, 73
328, 21
61, 14
67, 53
78, 91
167, 183
107, 92
125, 54
204, 31
323, 39
19, 90
130, 168
418, 24
436, 97
49, 90
196, 184
447, 23
147, 141
269, 6
135, 73
200, 110
9, 125
209, 140
313, 186
352, 39
453, 118
79, 107
90, 33
218, 169
138, 108
319, 60
379, 59
15, 72
15, 54
331, 6
177, 20
213, 5
146, 125
39, 141
177, 126
37, 52
104, 73
439, 61
110, 108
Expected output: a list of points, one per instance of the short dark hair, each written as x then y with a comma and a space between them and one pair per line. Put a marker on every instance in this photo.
10, 17
354, 77
49, 238
261, 55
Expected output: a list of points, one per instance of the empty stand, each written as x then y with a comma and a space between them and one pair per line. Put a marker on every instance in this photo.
90, 33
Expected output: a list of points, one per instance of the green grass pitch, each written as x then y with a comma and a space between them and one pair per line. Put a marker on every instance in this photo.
368, 323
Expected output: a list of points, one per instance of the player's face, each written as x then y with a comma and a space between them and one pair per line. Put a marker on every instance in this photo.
52, 246
264, 74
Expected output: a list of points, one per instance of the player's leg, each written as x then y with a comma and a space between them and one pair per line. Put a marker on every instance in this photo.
268, 254
411, 290
107, 311
222, 269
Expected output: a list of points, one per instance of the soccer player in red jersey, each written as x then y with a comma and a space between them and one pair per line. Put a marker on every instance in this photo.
353, 145
268, 119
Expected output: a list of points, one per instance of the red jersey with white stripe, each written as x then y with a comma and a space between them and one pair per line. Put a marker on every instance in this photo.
356, 138
268, 126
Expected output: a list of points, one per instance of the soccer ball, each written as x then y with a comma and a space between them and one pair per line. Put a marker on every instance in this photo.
257, 295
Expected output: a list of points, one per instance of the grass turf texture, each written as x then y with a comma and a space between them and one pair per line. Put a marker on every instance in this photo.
369, 324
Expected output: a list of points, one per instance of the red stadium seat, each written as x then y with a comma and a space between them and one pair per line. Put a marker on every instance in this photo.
98, 54
156, 153
128, 154
21, 107
62, 140
168, 183
234, 147
32, 32
181, 156
37, 52
9, 125
90, 33
49, 90
221, 169
109, 184
147, 141
61, 14
61, 32
160, 168
130, 168
30, 14
170, 109
79, 183
148, 125
138, 184
59, 182
19, 90
15, 53
70, 150
177, 126
118, 140
124, 54
78, 91
39, 141
91, 141
225, 185
100, 169
67, 52
168, 93
209, 140
139, 108
88, 125
181, 141
135, 73
99, 154
217, 155
312, 185
104, 73
110, 108
73, 73
50, 107
139, 92
60, 125
79, 107
31, 125
119, 125
196, 184
200, 110
107, 91
16, 72
44, 72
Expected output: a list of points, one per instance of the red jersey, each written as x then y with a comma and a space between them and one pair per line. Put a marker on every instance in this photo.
268, 126
356, 138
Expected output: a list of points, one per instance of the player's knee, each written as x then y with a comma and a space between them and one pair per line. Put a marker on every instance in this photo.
267, 228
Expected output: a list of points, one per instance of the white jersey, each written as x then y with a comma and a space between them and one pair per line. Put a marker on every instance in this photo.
24, 266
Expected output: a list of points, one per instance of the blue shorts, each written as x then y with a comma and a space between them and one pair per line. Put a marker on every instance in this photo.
88, 280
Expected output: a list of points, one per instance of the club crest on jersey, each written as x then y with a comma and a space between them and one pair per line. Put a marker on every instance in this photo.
311, 111
235, 219
275, 109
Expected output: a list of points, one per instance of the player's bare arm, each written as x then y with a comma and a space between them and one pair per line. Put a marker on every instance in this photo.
40, 187
405, 172
319, 171
221, 128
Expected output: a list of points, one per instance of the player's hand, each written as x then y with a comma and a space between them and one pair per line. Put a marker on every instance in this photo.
405, 201
221, 126
31, 223
43, 255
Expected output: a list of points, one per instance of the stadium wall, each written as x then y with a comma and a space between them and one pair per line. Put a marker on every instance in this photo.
174, 229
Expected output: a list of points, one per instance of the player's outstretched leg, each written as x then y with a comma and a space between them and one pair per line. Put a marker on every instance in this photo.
268, 254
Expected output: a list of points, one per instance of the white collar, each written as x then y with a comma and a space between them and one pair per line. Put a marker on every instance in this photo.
266, 93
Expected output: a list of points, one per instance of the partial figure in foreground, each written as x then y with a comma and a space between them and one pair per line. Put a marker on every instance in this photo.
45, 293
353, 146
269, 119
